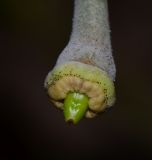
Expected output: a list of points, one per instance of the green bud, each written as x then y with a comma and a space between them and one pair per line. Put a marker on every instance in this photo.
75, 106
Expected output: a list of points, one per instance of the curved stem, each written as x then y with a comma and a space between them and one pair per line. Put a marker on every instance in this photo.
75, 106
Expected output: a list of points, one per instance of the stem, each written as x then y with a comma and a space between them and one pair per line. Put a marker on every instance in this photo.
90, 37
75, 106
90, 23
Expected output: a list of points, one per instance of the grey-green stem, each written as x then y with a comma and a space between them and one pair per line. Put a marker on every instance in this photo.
90, 38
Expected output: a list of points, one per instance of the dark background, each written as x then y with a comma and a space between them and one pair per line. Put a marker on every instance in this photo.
32, 35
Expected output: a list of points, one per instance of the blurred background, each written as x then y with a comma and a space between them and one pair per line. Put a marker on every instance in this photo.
32, 35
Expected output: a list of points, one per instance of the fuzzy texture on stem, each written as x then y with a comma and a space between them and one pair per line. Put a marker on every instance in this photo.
90, 38
86, 64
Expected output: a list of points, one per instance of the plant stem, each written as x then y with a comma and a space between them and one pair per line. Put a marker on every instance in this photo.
90, 37
90, 23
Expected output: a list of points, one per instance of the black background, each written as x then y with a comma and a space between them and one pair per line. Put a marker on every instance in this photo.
32, 35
